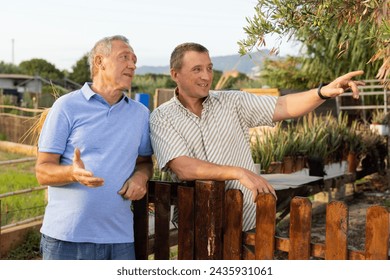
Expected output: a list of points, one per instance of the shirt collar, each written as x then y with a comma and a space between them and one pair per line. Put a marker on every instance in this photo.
212, 95
88, 92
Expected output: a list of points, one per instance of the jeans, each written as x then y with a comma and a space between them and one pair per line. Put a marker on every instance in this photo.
54, 249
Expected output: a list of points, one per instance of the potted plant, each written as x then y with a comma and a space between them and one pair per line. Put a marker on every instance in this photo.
355, 145
379, 122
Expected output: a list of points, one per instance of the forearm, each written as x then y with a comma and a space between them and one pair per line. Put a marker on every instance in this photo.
135, 187
49, 171
144, 170
296, 105
53, 174
189, 169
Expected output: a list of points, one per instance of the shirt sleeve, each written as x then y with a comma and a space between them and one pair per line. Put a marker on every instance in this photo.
166, 142
256, 110
145, 148
55, 131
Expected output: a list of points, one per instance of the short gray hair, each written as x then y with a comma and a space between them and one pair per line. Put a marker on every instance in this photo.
103, 46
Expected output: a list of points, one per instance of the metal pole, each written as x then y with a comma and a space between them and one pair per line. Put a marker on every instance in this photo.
13, 51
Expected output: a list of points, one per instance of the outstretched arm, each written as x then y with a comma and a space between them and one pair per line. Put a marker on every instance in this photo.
299, 104
49, 171
188, 169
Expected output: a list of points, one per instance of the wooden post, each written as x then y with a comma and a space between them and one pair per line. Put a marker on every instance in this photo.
162, 206
265, 226
186, 223
300, 229
336, 236
141, 226
209, 200
377, 233
232, 238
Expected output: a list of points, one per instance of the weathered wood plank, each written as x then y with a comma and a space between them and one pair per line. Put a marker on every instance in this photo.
300, 229
141, 228
336, 237
186, 223
209, 200
265, 226
162, 219
233, 225
377, 233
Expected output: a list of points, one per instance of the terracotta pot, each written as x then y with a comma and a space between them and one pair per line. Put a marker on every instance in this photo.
352, 162
299, 163
275, 167
288, 165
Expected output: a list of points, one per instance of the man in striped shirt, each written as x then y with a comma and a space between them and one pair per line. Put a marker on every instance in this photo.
203, 134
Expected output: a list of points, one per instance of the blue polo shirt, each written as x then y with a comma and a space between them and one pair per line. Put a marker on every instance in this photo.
110, 139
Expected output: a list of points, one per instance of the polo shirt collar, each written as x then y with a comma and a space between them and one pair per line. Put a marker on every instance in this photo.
88, 92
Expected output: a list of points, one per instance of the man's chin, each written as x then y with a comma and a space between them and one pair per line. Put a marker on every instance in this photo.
126, 88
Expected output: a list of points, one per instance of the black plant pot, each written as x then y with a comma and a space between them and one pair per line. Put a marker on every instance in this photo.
316, 166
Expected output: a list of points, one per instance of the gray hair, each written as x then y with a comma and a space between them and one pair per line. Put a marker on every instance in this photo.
103, 46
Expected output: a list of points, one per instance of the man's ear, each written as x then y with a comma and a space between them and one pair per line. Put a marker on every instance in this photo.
98, 61
173, 74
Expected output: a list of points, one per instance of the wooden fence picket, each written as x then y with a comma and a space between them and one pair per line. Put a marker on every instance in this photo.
162, 207
265, 227
336, 235
209, 200
377, 233
300, 229
141, 226
232, 238
210, 226
186, 223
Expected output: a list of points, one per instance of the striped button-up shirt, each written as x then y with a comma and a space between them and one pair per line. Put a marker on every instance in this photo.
220, 135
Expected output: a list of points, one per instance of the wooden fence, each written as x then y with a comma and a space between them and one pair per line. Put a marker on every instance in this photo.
16, 123
210, 226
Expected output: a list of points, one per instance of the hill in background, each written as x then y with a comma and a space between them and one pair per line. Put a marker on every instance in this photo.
247, 64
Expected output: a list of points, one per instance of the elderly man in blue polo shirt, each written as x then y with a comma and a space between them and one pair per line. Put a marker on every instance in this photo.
95, 156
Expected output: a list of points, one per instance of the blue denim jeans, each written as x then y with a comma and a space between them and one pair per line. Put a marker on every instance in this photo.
54, 249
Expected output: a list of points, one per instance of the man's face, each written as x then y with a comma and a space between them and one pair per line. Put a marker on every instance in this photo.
196, 75
119, 66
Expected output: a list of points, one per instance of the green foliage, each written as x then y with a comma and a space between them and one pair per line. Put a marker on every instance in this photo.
343, 50
8, 156
148, 83
15, 208
284, 73
29, 250
246, 83
8, 68
380, 117
357, 32
315, 136
80, 71
41, 67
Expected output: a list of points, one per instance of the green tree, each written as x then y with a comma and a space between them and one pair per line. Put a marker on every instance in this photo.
326, 59
284, 73
8, 68
148, 83
80, 71
319, 20
41, 67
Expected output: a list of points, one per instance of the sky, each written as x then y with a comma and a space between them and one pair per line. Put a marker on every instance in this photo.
61, 32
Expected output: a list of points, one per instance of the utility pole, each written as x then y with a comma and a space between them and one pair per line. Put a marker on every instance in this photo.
13, 51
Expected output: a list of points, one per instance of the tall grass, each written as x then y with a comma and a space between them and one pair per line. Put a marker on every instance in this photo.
14, 177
